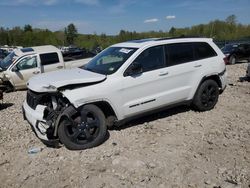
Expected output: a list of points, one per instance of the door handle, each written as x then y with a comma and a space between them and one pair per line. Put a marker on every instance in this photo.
163, 74
36, 72
59, 67
196, 66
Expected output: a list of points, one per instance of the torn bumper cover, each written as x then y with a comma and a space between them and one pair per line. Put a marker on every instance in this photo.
35, 118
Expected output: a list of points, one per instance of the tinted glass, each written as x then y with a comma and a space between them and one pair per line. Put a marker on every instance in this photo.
27, 50
151, 59
50, 58
229, 47
179, 53
110, 60
203, 50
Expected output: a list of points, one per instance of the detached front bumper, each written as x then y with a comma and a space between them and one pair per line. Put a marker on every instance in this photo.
35, 118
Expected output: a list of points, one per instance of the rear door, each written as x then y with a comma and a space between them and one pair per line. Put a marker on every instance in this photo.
182, 71
50, 62
187, 64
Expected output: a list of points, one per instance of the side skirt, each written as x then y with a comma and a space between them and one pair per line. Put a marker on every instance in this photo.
124, 121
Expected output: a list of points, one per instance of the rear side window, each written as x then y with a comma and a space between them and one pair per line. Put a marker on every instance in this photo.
49, 58
203, 50
152, 58
179, 53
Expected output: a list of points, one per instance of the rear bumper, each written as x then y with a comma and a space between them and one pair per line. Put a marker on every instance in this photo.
35, 119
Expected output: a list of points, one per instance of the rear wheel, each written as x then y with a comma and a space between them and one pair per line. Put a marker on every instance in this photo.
86, 130
206, 96
232, 59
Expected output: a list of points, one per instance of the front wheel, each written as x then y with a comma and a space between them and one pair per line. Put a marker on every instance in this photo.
206, 96
86, 130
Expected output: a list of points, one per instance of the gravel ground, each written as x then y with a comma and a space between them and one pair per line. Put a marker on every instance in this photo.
174, 148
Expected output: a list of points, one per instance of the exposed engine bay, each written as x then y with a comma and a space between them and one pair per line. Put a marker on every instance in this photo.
55, 104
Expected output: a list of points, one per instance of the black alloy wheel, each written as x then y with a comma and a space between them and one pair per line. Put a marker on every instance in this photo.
206, 96
84, 131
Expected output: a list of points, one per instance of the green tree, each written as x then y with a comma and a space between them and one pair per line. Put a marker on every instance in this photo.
172, 31
232, 19
28, 28
70, 33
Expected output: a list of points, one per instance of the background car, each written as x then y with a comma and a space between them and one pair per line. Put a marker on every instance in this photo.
236, 52
3, 54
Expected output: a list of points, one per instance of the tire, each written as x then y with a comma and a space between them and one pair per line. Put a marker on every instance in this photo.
206, 96
232, 60
88, 129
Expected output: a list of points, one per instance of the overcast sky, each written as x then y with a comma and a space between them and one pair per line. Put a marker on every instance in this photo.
110, 16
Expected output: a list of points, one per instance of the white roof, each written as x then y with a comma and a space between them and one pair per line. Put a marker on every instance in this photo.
158, 41
36, 49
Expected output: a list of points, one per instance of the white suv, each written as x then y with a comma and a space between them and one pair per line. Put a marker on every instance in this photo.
125, 80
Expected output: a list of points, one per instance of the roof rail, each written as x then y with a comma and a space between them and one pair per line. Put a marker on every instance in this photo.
143, 40
179, 37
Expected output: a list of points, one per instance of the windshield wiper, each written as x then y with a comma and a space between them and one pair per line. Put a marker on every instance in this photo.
88, 69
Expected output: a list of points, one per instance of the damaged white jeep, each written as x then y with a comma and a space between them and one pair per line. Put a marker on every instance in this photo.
128, 79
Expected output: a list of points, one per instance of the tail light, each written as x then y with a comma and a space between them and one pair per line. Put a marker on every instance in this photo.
226, 60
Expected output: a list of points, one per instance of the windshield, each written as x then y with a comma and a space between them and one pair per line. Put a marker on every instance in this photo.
229, 47
8, 60
110, 60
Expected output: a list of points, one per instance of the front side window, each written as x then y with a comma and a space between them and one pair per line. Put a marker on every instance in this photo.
179, 53
110, 60
27, 63
151, 58
49, 58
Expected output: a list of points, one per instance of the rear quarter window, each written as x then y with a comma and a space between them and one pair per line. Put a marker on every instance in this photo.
49, 58
179, 53
203, 50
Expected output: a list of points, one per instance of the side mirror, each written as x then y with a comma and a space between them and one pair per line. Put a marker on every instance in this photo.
15, 69
134, 69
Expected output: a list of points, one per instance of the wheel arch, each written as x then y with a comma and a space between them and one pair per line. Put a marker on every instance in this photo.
214, 77
105, 107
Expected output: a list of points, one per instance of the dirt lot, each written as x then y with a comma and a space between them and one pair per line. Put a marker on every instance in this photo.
174, 148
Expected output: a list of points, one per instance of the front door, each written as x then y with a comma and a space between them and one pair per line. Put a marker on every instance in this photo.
23, 71
145, 90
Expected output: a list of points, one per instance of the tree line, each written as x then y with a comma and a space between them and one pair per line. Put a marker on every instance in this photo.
228, 29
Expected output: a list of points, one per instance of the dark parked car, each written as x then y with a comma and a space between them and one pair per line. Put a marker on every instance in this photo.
237, 52
77, 53
3, 54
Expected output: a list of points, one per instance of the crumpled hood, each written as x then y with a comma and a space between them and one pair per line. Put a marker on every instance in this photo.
52, 80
